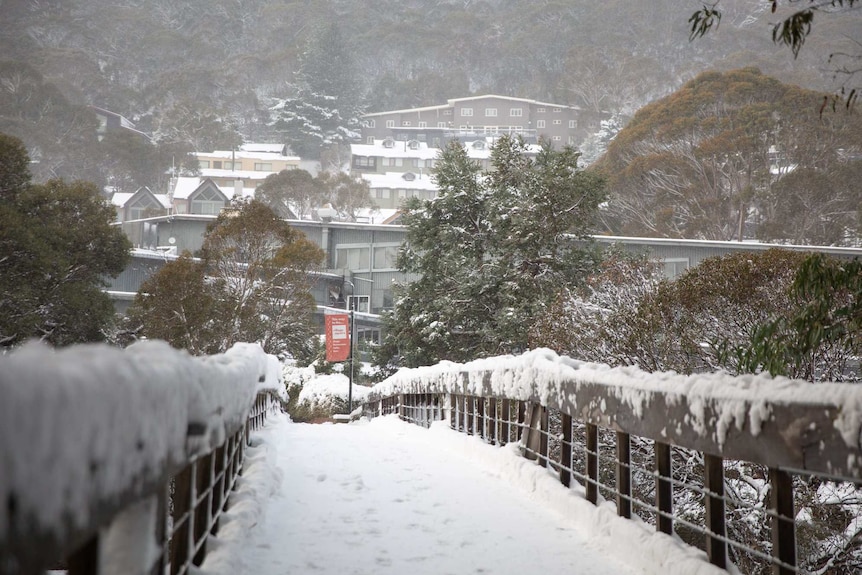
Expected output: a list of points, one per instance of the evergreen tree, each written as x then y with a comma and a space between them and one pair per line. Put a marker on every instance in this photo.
326, 105
491, 252
57, 246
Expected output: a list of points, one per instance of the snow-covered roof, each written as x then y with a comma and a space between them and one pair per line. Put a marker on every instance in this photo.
186, 186
397, 149
264, 148
511, 99
396, 180
120, 199
239, 174
422, 109
376, 215
451, 103
242, 155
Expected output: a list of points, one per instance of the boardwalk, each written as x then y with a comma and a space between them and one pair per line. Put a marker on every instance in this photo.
385, 497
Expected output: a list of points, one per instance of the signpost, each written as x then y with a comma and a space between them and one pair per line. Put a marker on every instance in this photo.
337, 337
340, 329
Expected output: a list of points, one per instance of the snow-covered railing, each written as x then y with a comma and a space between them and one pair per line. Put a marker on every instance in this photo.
121, 461
603, 425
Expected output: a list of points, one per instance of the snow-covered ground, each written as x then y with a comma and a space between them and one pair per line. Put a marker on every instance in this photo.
388, 497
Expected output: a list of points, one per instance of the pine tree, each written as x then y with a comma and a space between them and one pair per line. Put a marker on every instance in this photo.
326, 106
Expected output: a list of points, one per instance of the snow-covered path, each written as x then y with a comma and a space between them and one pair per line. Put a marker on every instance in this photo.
387, 497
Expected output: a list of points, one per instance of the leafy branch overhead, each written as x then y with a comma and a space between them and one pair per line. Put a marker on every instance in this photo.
791, 30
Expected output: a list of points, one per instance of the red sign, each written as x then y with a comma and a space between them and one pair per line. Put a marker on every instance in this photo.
337, 337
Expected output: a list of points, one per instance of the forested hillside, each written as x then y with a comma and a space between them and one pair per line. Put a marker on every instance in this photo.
176, 66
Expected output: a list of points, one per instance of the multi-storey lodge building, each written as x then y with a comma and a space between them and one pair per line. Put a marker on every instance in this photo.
478, 117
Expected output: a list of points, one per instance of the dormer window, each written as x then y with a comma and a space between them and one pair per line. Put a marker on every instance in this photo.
479, 145
388, 143
409, 176
413, 144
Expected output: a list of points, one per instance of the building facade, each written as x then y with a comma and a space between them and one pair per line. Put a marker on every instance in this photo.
251, 164
479, 117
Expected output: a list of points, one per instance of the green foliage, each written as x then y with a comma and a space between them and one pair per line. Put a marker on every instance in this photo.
491, 252
57, 248
251, 284
821, 335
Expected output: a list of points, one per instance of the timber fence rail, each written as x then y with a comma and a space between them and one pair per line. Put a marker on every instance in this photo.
698, 456
122, 461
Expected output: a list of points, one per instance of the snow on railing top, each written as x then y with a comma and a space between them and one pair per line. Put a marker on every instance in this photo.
774, 421
84, 427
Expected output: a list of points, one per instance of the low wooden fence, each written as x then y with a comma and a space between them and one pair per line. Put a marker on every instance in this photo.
625, 435
122, 461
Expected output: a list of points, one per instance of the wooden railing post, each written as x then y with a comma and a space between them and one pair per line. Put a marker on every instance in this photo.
544, 430
783, 527
663, 488
506, 425
566, 451
480, 417
492, 421
624, 475
716, 547
592, 463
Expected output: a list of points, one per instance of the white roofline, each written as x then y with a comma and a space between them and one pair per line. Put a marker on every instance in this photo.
450, 103
421, 109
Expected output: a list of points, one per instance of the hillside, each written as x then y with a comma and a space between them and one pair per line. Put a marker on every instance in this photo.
197, 71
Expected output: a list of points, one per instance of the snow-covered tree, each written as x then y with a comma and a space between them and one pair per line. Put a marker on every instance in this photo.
57, 246
325, 106
492, 251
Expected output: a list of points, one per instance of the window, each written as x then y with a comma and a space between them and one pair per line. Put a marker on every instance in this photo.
208, 202
466, 112
540, 123
388, 143
423, 124
413, 144
405, 123
370, 140
447, 112
216, 164
674, 267
144, 207
360, 303
516, 112
386, 257
364, 162
573, 124
204, 164
557, 110
352, 257
557, 122
540, 110
491, 112
556, 138
262, 167
369, 123
382, 193
232, 165
390, 123
441, 124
